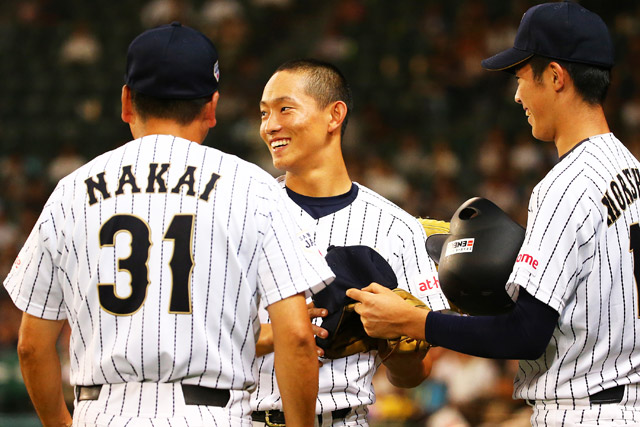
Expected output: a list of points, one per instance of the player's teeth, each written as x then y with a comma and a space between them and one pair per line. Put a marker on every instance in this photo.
279, 143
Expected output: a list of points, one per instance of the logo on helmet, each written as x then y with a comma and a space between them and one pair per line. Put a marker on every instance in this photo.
459, 246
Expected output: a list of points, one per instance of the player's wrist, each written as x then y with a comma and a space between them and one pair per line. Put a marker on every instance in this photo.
413, 325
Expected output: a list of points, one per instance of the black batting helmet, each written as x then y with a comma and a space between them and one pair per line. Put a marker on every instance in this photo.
476, 258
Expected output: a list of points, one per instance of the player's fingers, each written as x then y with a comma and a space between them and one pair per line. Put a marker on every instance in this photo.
358, 307
357, 294
317, 312
375, 288
319, 331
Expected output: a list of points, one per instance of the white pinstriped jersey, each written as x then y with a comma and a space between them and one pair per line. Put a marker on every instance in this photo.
373, 221
582, 243
158, 254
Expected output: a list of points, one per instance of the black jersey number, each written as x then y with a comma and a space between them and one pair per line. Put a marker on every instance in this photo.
634, 246
180, 230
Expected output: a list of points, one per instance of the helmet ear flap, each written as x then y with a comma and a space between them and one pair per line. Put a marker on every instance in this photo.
476, 258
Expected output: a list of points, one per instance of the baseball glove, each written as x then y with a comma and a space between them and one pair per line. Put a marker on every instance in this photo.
434, 226
404, 344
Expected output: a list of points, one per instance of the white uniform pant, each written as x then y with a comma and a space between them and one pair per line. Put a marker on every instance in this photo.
580, 412
152, 405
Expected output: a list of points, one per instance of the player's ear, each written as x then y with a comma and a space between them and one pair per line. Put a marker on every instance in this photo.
127, 105
558, 75
338, 111
210, 110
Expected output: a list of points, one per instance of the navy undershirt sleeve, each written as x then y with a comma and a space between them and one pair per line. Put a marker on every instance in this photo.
522, 334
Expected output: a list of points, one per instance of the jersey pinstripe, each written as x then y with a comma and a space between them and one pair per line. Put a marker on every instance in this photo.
158, 253
376, 222
581, 247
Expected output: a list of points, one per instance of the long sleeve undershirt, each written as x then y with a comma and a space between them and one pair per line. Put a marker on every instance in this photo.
522, 334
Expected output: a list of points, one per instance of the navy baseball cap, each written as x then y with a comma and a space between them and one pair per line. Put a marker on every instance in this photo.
563, 31
355, 267
172, 62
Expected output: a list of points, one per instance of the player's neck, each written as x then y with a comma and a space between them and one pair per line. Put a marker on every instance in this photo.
193, 131
318, 182
580, 124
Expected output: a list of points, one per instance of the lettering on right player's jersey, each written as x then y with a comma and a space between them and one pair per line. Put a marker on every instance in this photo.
528, 259
156, 183
623, 193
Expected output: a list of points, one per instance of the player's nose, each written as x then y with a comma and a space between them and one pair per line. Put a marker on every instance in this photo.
271, 124
516, 97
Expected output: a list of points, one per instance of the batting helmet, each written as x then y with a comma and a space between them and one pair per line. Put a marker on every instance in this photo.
476, 258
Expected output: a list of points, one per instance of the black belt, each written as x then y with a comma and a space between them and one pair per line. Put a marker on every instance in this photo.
193, 394
610, 395
276, 418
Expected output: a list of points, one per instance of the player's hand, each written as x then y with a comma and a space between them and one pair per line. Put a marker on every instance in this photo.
315, 312
385, 314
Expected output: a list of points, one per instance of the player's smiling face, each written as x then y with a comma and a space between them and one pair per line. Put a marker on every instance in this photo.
292, 125
535, 97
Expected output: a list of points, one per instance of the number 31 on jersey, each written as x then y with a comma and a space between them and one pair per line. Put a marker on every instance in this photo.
180, 230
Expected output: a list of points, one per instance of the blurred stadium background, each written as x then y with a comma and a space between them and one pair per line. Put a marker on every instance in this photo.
429, 129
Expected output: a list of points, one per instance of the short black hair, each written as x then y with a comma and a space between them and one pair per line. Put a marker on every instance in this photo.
183, 111
325, 83
591, 82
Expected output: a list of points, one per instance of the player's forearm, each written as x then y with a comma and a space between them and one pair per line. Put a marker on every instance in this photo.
295, 359
264, 345
297, 374
42, 377
523, 333
407, 370
44, 384
40, 366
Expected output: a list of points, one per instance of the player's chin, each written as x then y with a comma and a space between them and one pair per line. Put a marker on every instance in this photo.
279, 161
541, 136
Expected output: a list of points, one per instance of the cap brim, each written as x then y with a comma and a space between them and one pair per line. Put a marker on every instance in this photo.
434, 245
506, 60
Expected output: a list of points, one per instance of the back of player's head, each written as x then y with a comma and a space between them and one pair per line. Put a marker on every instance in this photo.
172, 71
324, 83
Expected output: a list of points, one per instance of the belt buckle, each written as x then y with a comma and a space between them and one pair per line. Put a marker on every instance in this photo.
268, 422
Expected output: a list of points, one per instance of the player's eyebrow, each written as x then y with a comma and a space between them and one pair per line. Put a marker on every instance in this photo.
276, 100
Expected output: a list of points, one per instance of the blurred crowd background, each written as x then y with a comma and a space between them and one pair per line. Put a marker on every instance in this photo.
429, 130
